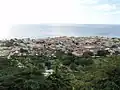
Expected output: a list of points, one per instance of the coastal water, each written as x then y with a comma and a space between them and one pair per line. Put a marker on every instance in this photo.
51, 30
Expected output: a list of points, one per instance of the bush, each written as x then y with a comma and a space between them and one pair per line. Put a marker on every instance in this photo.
23, 50
117, 52
84, 61
114, 46
88, 54
73, 66
102, 52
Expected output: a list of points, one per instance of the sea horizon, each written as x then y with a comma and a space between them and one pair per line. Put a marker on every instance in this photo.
37, 31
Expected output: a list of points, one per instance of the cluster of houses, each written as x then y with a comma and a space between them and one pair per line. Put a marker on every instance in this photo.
48, 46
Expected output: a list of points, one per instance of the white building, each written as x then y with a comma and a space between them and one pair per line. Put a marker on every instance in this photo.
48, 72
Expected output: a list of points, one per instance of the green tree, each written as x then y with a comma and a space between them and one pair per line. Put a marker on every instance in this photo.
61, 79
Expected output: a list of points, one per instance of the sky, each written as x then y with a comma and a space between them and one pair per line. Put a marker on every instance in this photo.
57, 11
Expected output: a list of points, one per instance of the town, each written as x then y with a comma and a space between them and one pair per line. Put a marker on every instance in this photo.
48, 46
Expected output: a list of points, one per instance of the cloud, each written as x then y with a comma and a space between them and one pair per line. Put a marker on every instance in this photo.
106, 7
117, 12
54, 11
89, 1
49, 11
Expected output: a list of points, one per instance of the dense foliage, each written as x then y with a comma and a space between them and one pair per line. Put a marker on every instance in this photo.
70, 72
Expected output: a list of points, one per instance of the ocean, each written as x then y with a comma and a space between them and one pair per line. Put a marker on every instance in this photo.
52, 30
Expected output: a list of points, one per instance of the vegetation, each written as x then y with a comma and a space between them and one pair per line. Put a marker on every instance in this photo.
70, 72
103, 52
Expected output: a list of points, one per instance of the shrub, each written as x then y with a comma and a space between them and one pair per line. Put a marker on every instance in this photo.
102, 52
88, 54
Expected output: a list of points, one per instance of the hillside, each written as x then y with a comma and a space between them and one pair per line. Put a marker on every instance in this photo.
42, 65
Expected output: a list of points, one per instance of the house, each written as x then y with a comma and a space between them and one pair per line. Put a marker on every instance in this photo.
48, 72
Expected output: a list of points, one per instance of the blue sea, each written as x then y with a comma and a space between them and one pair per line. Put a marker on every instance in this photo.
52, 30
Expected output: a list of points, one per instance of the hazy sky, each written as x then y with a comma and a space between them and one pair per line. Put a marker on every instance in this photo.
57, 11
